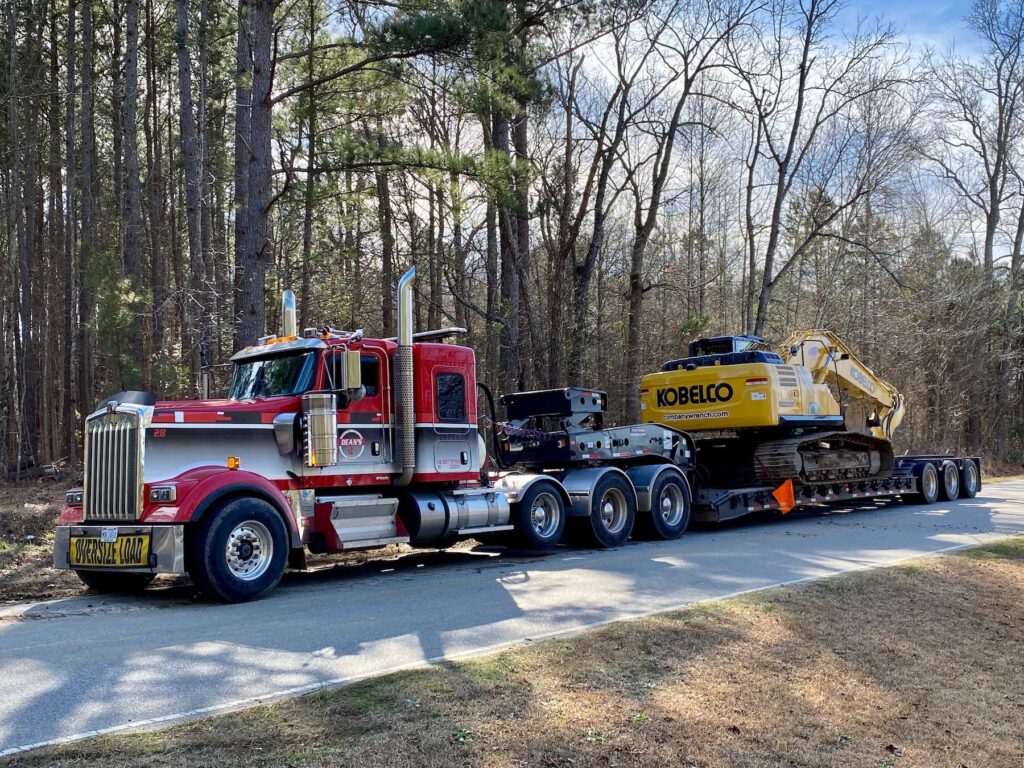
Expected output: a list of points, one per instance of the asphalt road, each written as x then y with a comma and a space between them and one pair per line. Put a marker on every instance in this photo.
71, 668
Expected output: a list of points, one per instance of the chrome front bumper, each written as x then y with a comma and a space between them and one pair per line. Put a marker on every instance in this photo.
167, 546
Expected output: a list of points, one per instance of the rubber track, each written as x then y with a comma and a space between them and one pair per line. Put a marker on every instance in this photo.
779, 460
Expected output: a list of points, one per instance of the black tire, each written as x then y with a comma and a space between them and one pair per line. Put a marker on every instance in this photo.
612, 513
927, 484
670, 509
970, 479
539, 517
245, 571
949, 481
115, 582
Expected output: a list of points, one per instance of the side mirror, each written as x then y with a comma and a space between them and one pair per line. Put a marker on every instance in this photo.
351, 372
793, 349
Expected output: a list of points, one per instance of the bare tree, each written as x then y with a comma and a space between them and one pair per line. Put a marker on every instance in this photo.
689, 50
799, 88
977, 114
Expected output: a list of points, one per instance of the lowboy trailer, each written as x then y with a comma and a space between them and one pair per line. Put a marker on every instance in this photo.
915, 479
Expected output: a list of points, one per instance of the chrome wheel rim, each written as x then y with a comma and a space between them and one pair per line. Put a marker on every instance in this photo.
952, 480
545, 514
929, 482
613, 510
249, 550
971, 478
672, 505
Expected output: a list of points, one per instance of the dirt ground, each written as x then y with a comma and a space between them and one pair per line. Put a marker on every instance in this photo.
915, 665
28, 512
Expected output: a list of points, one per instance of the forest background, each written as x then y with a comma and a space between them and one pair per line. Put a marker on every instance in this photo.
585, 185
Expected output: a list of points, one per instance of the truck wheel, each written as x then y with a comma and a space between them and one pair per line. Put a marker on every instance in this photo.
949, 488
670, 509
112, 582
239, 551
612, 513
539, 517
970, 480
927, 483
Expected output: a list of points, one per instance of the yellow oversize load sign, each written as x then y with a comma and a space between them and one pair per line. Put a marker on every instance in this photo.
106, 551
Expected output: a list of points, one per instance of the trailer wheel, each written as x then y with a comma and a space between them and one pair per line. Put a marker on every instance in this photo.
239, 551
969, 480
112, 582
670, 509
927, 483
612, 513
539, 517
949, 488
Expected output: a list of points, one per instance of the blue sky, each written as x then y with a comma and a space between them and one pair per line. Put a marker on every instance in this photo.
936, 22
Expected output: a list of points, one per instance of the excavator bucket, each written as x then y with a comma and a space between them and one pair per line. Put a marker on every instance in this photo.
784, 495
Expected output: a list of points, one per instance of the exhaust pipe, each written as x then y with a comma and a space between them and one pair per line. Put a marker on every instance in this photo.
404, 380
289, 323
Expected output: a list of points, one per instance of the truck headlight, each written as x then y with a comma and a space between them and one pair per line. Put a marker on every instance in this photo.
73, 498
163, 494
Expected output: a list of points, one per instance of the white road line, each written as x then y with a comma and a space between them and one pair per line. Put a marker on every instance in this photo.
288, 693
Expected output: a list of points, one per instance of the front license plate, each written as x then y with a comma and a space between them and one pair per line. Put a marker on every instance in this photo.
125, 551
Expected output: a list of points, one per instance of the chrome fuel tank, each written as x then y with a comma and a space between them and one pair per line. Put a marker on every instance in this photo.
435, 516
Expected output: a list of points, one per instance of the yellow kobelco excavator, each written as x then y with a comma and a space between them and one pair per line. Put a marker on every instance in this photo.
810, 412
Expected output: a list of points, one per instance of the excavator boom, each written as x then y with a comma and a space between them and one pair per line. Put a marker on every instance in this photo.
831, 361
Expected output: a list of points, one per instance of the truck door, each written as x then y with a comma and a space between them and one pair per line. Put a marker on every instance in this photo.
364, 445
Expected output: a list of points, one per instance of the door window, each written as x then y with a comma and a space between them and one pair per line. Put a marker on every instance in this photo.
451, 397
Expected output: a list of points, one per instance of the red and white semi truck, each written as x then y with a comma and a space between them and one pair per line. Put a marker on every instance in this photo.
329, 441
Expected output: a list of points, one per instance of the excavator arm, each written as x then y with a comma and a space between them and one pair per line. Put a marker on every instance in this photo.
831, 361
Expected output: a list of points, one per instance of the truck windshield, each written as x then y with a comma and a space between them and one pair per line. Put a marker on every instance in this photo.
271, 376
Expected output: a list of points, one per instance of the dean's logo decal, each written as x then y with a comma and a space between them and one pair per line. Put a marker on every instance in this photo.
697, 394
351, 444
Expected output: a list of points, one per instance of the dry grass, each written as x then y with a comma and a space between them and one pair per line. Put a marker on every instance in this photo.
918, 665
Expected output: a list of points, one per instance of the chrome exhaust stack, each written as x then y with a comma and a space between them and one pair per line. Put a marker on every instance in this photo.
405, 409
289, 321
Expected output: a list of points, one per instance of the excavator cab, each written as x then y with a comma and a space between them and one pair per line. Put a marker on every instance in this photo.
727, 345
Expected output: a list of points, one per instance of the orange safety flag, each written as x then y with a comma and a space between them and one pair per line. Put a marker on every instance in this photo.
784, 495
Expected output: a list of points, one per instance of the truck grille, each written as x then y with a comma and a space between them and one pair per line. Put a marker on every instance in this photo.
113, 467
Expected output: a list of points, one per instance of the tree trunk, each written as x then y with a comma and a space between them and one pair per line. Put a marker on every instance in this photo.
131, 205
243, 115
205, 183
27, 152
385, 220
154, 184
259, 252
309, 198
196, 318
493, 333
89, 246
70, 245
53, 305
509, 352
